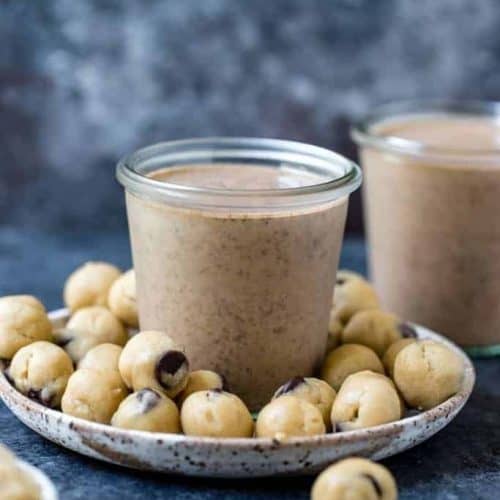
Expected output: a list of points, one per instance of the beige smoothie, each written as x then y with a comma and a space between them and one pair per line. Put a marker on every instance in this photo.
434, 223
246, 292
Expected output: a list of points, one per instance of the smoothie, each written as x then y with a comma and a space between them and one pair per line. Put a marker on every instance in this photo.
434, 222
246, 292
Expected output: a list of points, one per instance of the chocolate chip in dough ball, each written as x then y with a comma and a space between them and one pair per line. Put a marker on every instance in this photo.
89, 285
147, 410
41, 371
427, 373
365, 399
289, 416
355, 478
391, 353
87, 328
23, 320
313, 390
93, 395
373, 328
346, 360
201, 380
352, 293
216, 413
152, 359
122, 299
102, 357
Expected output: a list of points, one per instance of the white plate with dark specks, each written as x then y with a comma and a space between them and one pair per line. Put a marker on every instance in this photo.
234, 457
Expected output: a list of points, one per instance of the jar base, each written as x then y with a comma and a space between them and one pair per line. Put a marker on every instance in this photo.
483, 351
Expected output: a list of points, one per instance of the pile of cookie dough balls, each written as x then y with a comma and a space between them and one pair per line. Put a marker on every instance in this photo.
99, 368
93, 368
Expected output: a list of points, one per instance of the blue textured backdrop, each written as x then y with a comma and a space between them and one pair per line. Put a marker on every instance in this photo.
84, 82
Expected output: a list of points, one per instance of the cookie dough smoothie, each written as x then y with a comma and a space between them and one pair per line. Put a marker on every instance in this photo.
432, 203
235, 246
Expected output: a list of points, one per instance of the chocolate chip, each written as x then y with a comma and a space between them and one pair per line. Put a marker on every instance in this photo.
289, 386
407, 331
340, 281
38, 396
148, 399
375, 484
170, 367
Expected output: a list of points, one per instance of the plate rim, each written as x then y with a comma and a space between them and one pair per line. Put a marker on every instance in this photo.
454, 404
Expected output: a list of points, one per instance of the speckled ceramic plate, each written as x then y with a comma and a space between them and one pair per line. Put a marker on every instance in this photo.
178, 454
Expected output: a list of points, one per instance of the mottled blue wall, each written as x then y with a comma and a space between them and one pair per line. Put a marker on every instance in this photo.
84, 82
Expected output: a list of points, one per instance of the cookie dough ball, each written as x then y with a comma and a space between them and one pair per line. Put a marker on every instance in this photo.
102, 358
147, 410
89, 285
201, 380
152, 359
41, 371
373, 328
15, 483
352, 294
353, 479
216, 413
93, 395
89, 327
289, 416
122, 299
23, 320
346, 360
335, 328
427, 373
391, 353
365, 399
312, 390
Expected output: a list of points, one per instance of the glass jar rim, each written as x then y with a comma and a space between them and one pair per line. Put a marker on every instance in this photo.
362, 131
344, 176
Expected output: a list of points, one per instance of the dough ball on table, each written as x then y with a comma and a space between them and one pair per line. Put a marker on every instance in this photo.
93, 395
152, 359
122, 299
41, 371
23, 320
87, 328
427, 373
391, 353
201, 380
216, 413
15, 483
289, 416
352, 293
147, 410
6, 456
355, 479
89, 285
364, 400
102, 357
313, 390
373, 328
346, 360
